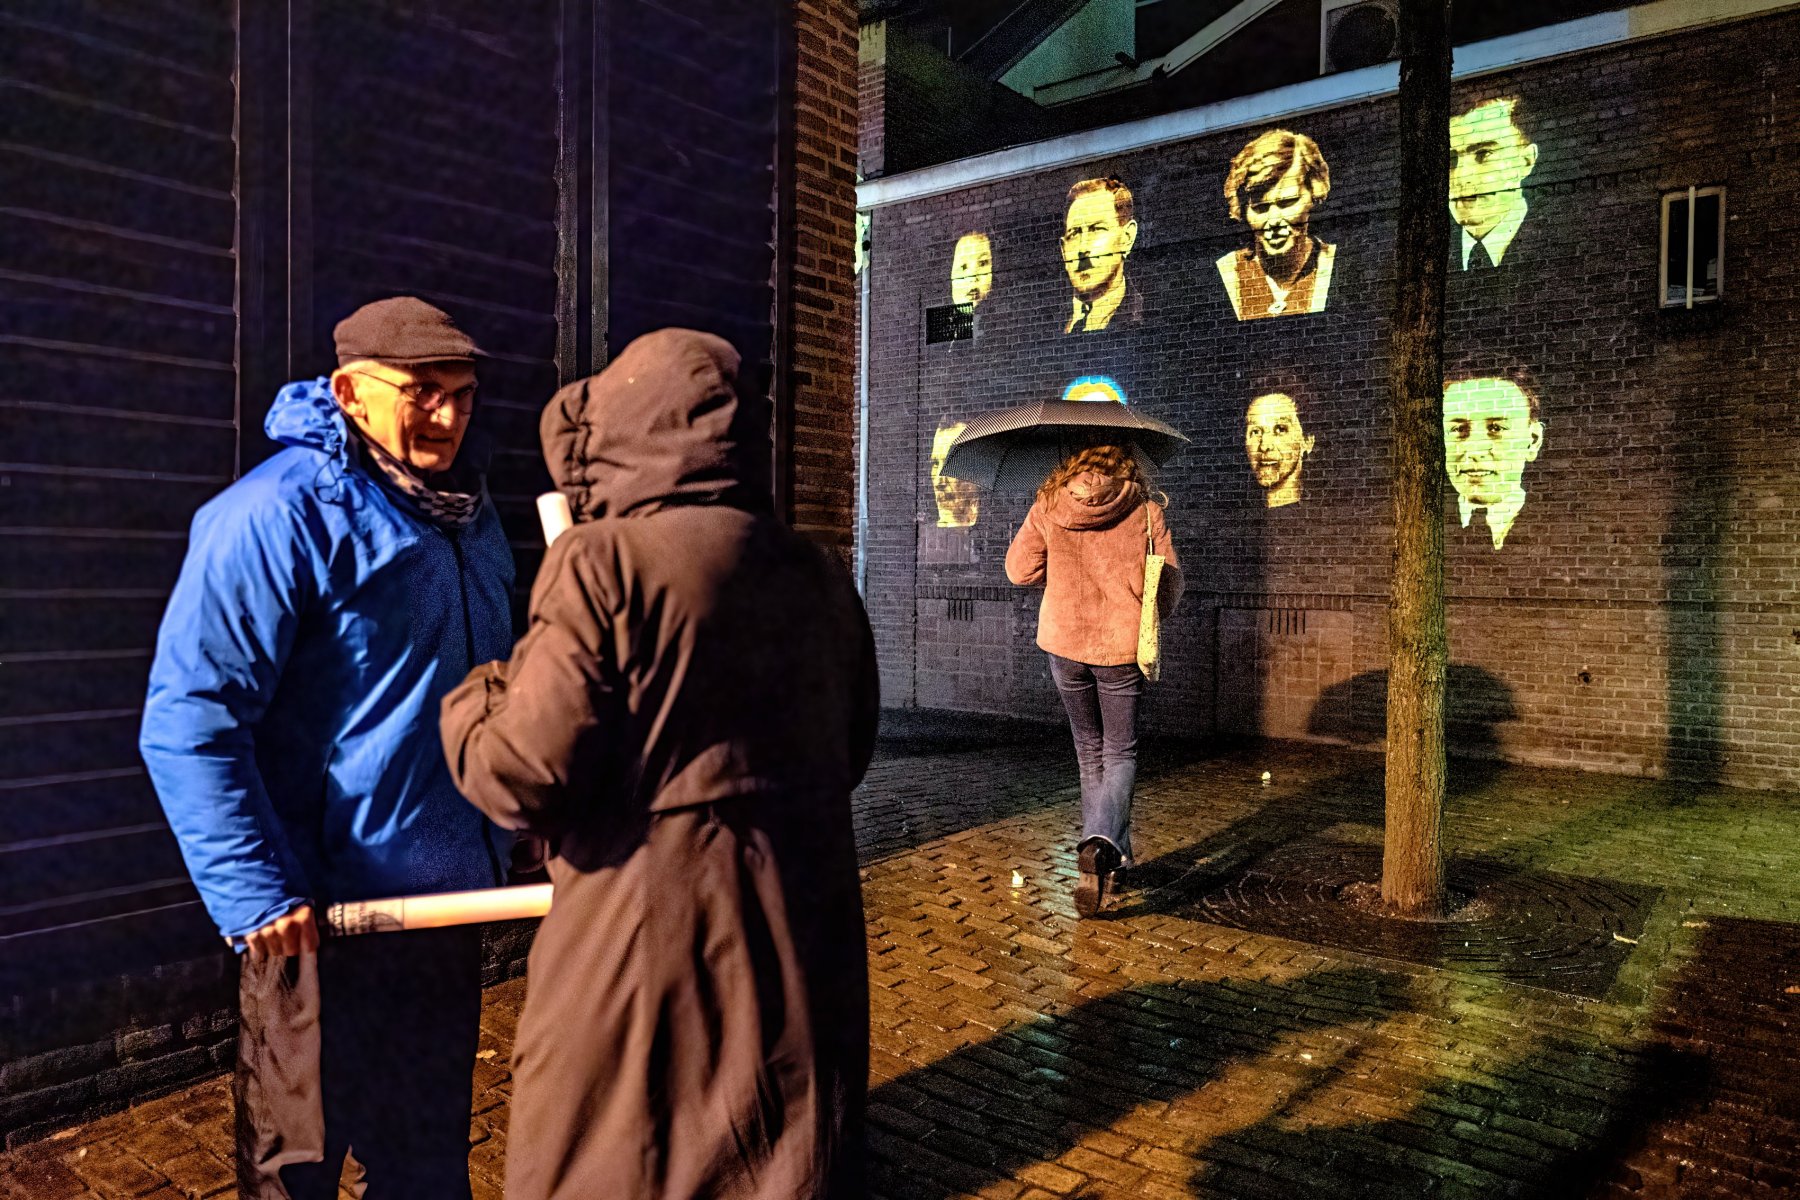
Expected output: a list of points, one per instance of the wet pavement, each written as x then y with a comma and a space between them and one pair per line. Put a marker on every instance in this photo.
1618, 1016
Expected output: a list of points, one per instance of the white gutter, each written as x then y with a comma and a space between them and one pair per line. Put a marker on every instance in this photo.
862, 429
1329, 91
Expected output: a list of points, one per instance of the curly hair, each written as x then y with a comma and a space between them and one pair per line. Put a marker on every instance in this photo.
1269, 157
1115, 462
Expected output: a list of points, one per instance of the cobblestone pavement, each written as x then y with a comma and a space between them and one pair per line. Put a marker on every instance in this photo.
1020, 1054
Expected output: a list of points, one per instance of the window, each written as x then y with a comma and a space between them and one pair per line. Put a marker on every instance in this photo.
949, 323
1693, 241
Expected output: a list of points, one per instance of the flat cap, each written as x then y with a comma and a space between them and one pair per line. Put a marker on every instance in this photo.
402, 330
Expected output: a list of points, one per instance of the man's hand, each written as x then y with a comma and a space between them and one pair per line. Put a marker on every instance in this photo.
292, 934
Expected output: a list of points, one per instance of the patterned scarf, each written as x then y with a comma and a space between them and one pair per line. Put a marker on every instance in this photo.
456, 510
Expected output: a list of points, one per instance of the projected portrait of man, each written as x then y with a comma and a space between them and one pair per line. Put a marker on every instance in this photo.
1276, 444
1490, 157
958, 503
1273, 186
971, 270
1098, 233
1492, 428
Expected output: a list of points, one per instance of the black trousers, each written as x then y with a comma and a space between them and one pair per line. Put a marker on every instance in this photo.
369, 1049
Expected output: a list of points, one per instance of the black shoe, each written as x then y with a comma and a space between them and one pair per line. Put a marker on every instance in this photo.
1097, 860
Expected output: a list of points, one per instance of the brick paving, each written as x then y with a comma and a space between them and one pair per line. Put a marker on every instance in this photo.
1020, 1054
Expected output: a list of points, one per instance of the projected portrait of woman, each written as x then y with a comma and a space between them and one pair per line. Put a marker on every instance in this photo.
1273, 186
1099, 229
971, 270
958, 503
1491, 154
1492, 429
1276, 443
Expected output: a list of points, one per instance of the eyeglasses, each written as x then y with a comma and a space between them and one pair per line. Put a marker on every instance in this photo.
427, 395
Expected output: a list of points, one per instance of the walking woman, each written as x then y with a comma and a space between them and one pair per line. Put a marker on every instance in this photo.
1085, 540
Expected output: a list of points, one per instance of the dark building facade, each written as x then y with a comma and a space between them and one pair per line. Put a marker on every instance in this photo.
197, 190
1624, 562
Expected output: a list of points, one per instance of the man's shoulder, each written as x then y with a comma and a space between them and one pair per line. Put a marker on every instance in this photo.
275, 496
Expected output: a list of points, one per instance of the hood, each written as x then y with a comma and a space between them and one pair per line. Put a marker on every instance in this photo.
1092, 500
663, 425
306, 414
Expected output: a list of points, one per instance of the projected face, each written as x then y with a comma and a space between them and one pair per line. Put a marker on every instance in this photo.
1273, 186
1276, 446
1098, 233
1489, 160
971, 270
1278, 216
958, 503
1491, 430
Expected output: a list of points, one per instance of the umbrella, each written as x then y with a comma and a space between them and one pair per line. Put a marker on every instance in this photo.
1019, 447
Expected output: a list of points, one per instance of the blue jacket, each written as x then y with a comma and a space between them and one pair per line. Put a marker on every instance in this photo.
291, 727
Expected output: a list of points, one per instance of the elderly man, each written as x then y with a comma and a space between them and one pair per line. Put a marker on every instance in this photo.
1099, 230
329, 600
1492, 429
1273, 186
1490, 157
1277, 445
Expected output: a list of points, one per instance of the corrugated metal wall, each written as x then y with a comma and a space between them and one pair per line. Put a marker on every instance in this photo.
117, 418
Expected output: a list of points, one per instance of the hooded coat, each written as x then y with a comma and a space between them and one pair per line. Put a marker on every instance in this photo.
318, 620
686, 717
1087, 549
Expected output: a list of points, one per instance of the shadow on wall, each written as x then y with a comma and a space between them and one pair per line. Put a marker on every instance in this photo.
1253, 1088
1476, 702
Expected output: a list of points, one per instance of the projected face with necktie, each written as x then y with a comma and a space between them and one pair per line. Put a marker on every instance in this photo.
1492, 429
1098, 234
1490, 157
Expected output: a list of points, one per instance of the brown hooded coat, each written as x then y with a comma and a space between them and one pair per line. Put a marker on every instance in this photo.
686, 717
1087, 549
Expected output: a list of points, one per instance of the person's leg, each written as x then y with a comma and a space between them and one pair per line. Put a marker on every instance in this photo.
290, 1139
419, 1025
1118, 690
1075, 684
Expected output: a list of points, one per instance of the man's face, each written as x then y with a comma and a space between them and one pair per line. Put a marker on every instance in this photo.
1489, 436
1094, 244
957, 501
971, 270
376, 395
1277, 447
1489, 160
1278, 215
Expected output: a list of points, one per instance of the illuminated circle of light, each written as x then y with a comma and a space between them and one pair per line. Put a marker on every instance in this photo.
1095, 387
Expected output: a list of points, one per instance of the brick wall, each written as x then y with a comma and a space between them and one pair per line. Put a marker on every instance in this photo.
1644, 613
824, 289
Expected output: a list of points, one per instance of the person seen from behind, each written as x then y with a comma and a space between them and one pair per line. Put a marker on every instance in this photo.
686, 716
1084, 541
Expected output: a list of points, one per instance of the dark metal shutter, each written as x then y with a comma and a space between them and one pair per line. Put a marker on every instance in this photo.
117, 419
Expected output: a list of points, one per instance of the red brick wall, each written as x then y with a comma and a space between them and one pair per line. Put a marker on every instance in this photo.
825, 127
1643, 616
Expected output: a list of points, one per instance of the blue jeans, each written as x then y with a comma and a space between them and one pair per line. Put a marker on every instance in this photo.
1102, 705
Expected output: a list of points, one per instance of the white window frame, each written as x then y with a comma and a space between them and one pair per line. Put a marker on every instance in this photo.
1692, 195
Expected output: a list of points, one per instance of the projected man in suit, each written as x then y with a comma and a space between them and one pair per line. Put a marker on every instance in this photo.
971, 270
1277, 445
1099, 231
1273, 186
1490, 157
1492, 429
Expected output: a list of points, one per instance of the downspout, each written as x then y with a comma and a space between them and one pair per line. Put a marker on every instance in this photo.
862, 424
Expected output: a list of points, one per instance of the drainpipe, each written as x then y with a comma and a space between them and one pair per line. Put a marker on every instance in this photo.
862, 425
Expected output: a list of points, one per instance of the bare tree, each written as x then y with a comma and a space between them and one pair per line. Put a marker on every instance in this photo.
1412, 877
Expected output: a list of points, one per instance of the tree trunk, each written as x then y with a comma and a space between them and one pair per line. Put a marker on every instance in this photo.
1412, 876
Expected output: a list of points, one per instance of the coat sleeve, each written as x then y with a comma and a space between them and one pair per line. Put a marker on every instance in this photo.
224, 641
525, 738
1026, 556
1168, 592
